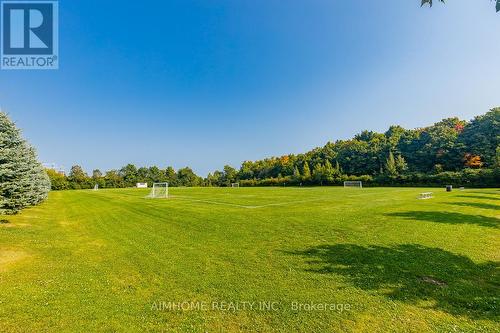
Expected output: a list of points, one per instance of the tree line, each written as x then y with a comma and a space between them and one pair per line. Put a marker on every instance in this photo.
449, 151
128, 176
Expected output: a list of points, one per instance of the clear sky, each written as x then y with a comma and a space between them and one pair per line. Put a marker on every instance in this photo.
207, 83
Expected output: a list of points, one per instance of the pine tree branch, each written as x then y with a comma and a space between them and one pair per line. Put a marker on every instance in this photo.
424, 2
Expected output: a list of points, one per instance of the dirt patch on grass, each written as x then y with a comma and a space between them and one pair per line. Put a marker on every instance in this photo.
434, 281
9, 257
7, 224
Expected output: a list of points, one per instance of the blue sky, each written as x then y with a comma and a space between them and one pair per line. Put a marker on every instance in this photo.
208, 83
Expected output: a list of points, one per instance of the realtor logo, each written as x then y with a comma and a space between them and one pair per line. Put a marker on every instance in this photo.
29, 31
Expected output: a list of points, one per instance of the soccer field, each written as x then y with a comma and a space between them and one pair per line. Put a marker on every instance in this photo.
322, 259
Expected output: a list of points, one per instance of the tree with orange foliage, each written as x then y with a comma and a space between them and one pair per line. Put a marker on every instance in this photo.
473, 161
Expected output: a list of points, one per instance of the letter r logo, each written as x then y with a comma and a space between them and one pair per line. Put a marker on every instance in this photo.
27, 28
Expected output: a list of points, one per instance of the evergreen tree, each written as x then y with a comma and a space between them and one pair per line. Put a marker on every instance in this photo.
317, 174
296, 174
401, 165
328, 171
23, 180
306, 172
337, 170
390, 165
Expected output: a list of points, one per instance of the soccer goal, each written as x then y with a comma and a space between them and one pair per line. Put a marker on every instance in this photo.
96, 187
352, 183
159, 190
235, 184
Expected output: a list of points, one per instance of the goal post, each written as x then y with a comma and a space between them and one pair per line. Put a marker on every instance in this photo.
353, 183
235, 185
96, 187
158, 191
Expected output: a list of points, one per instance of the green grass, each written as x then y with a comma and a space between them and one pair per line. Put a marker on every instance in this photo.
104, 261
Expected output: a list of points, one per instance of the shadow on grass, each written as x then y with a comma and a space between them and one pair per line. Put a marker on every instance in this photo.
419, 275
4, 221
476, 205
481, 197
449, 218
492, 192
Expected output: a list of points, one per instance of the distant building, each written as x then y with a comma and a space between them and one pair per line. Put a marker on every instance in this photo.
141, 185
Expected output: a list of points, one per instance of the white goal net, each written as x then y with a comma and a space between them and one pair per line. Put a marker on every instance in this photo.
159, 190
357, 184
96, 187
235, 184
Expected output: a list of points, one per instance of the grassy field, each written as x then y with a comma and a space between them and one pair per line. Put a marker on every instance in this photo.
253, 260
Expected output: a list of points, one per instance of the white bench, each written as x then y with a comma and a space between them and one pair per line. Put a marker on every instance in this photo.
425, 195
